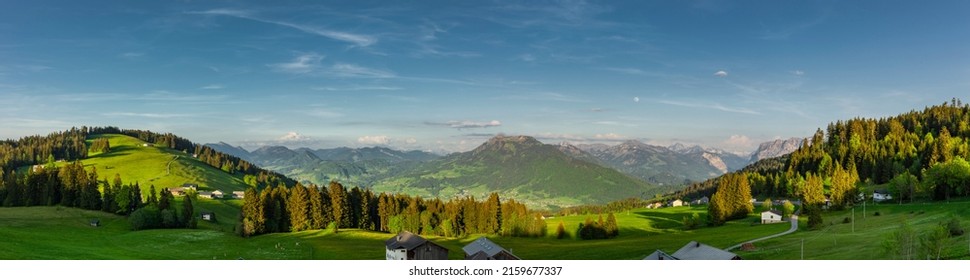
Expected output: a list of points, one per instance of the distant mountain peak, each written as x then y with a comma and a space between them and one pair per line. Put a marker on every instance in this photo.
776, 148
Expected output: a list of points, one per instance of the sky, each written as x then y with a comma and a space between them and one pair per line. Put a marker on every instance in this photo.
445, 76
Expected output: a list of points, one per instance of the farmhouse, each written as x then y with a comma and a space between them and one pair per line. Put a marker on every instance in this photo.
484, 249
217, 194
238, 194
694, 251
676, 203
659, 255
654, 205
881, 195
178, 191
208, 216
190, 186
702, 200
208, 195
95, 223
770, 217
409, 246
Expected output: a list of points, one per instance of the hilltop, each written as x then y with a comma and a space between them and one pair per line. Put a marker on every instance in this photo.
522, 168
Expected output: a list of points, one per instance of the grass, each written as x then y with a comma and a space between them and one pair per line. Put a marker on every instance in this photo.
161, 167
839, 241
64, 233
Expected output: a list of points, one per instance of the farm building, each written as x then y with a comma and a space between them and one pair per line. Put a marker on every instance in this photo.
190, 186
217, 194
179, 191
484, 249
208, 216
409, 246
208, 195
881, 195
654, 205
770, 217
238, 194
702, 200
95, 223
676, 203
694, 251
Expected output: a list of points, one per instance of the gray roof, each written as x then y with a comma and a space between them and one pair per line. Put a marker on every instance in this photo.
484, 245
776, 212
699, 251
659, 255
405, 240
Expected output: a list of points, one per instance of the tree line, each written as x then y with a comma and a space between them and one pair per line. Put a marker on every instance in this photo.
73, 186
920, 154
281, 209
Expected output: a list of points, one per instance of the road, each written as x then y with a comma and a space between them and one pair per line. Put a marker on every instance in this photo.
794, 227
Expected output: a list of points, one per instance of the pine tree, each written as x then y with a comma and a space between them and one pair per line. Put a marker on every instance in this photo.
560, 231
188, 213
298, 205
152, 198
612, 229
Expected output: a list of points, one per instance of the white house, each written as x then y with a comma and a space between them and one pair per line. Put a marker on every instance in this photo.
770, 217
217, 194
677, 203
881, 195
238, 194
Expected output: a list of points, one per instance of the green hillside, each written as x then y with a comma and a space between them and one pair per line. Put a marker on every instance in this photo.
521, 168
151, 165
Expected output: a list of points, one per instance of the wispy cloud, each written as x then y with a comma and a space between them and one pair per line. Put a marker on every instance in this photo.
131, 55
302, 64
721, 73
465, 124
213, 86
146, 115
348, 70
710, 106
357, 88
785, 32
579, 139
545, 96
293, 136
798, 72
356, 39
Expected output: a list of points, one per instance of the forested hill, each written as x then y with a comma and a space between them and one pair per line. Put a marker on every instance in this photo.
71, 145
915, 155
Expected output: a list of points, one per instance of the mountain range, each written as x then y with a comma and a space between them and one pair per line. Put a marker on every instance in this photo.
516, 166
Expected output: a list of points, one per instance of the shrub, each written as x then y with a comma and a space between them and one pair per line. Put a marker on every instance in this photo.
561, 231
876, 214
953, 226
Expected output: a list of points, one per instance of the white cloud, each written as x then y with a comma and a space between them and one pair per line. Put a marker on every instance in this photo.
293, 136
527, 57
636, 99
738, 141
374, 140
609, 136
302, 64
411, 141
721, 73
145, 115
356, 71
213, 86
466, 124
356, 39
356, 88
798, 72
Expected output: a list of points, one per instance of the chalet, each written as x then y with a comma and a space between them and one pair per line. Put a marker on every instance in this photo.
177, 191
694, 251
484, 249
770, 217
659, 255
208, 216
655, 205
881, 195
95, 222
207, 195
676, 203
190, 186
409, 246
702, 200
238, 194
217, 194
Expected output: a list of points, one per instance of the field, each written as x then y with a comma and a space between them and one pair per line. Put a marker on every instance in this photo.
64, 233
157, 166
838, 240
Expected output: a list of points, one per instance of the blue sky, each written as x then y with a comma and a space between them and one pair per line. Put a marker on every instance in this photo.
445, 76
